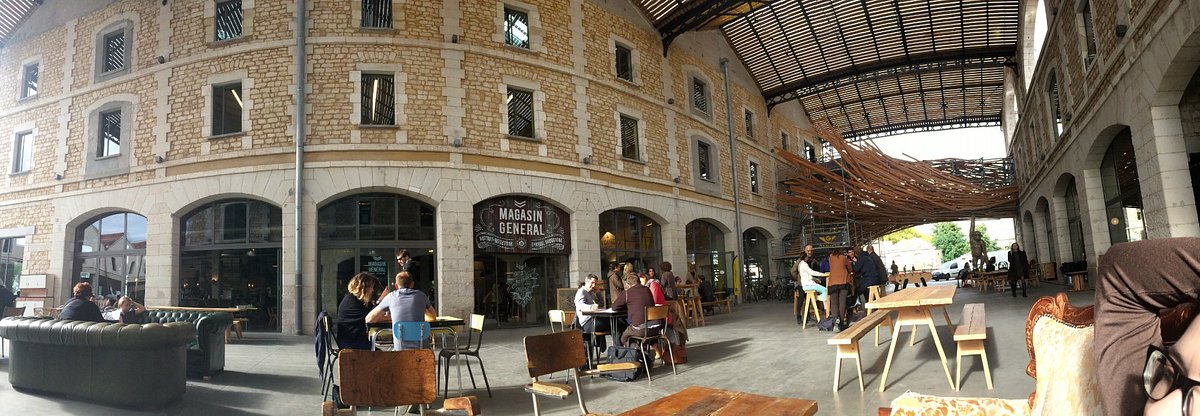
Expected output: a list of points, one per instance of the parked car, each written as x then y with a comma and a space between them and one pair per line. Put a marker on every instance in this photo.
953, 269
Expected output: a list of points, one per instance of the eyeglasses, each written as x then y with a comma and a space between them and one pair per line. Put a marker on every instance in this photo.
1164, 375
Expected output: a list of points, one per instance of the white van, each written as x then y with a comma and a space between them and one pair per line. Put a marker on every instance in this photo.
955, 269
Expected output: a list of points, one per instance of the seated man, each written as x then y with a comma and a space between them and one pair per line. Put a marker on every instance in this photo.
585, 300
1148, 291
80, 307
404, 305
707, 292
634, 301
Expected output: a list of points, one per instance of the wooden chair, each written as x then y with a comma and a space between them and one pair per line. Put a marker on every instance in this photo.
392, 378
559, 351
810, 304
654, 333
474, 341
847, 345
970, 336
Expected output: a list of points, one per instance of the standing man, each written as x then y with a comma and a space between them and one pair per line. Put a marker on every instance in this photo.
1018, 269
615, 287
403, 305
808, 255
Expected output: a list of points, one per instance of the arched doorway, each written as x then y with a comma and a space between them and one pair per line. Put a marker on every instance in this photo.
230, 252
629, 237
1189, 110
110, 253
757, 264
522, 245
705, 244
1043, 209
1122, 190
365, 233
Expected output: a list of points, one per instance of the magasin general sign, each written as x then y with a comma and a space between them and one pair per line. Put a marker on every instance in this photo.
521, 224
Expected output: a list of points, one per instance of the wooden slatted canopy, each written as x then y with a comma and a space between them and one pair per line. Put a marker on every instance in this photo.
865, 68
12, 14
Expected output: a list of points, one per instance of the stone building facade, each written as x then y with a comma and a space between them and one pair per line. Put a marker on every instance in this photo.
153, 149
1107, 145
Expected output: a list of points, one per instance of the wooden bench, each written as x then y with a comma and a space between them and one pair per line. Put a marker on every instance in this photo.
847, 345
970, 336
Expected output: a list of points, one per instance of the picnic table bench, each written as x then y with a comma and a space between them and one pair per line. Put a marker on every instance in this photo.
847, 345
970, 335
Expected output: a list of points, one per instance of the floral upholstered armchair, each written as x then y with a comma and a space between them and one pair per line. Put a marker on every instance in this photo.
1059, 337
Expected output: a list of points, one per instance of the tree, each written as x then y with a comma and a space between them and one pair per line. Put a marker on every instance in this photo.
950, 239
905, 234
989, 243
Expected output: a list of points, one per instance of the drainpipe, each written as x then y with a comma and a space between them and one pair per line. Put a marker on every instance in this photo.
737, 195
301, 122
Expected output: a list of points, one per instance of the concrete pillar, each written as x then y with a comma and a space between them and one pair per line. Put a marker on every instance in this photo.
1093, 213
674, 245
1042, 247
308, 265
585, 245
1062, 234
162, 242
1011, 116
1169, 205
455, 255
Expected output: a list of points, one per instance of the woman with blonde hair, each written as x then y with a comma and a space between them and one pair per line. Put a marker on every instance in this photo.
352, 312
131, 311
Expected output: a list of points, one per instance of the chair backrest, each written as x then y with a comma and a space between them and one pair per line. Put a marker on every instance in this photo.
405, 334
655, 313
557, 316
387, 378
545, 354
17, 311
1065, 371
475, 334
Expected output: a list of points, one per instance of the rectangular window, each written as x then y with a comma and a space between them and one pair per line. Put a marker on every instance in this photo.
624, 63
520, 113
377, 14
753, 177
22, 152
749, 125
12, 253
783, 140
227, 109
228, 20
516, 28
700, 95
1089, 33
704, 159
29, 81
1055, 109
114, 51
110, 134
810, 152
378, 100
630, 148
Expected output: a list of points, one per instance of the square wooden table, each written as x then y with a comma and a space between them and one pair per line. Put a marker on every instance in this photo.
913, 306
701, 401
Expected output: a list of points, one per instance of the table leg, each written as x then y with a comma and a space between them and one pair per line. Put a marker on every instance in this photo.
891, 352
949, 324
937, 341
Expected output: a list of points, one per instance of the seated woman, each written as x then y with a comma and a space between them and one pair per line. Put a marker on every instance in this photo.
352, 312
807, 278
80, 307
1147, 293
131, 311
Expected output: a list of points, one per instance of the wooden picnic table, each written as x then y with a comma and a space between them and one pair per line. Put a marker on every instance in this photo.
701, 401
913, 306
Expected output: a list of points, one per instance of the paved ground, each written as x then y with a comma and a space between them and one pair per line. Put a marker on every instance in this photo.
758, 348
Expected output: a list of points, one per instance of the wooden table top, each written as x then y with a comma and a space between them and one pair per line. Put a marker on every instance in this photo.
603, 312
918, 296
700, 401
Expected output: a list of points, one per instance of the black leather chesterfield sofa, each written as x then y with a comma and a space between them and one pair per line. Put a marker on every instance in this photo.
206, 353
141, 366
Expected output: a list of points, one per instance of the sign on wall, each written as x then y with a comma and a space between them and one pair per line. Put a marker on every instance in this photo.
521, 224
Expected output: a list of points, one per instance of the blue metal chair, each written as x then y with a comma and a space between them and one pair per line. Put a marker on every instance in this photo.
411, 335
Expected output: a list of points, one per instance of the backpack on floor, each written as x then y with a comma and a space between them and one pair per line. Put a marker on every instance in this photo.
825, 324
624, 355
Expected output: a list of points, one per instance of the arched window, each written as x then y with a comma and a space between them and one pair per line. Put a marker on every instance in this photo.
706, 252
627, 236
1074, 222
1122, 190
110, 252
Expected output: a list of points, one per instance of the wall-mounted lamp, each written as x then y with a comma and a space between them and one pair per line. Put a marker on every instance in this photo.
164, 2
454, 38
162, 59
1114, 220
457, 142
678, 179
671, 101
57, 176
587, 160
1122, 30
159, 159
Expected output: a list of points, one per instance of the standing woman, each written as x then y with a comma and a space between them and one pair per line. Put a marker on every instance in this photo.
352, 312
1018, 268
807, 282
668, 280
838, 285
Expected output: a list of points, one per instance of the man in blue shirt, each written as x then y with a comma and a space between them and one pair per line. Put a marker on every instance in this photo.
404, 305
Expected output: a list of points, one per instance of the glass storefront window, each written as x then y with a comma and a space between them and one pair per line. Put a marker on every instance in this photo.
626, 236
706, 253
12, 260
757, 266
1074, 222
1122, 191
110, 254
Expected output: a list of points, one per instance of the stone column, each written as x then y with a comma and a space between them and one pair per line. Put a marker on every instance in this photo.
1094, 215
455, 256
1042, 246
1162, 164
1062, 231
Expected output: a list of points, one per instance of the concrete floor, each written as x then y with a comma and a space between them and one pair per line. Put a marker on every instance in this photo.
758, 348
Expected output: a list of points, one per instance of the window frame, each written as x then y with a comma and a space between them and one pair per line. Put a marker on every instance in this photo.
533, 24
638, 147
241, 20
390, 18
23, 88
810, 152
784, 140
748, 120
705, 94
617, 49
220, 119
22, 152
102, 141
1054, 104
1086, 27
510, 90
363, 111
755, 177
125, 27
704, 162
509, 28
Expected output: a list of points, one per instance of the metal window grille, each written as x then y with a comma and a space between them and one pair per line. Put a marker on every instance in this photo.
704, 157
624, 63
114, 51
22, 152
520, 113
377, 14
516, 28
378, 100
1055, 106
753, 177
699, 95
29, 83
110, 134
810, 152
227, 109
783, 140
228, 20
629, 138
749, 125
1089, 33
